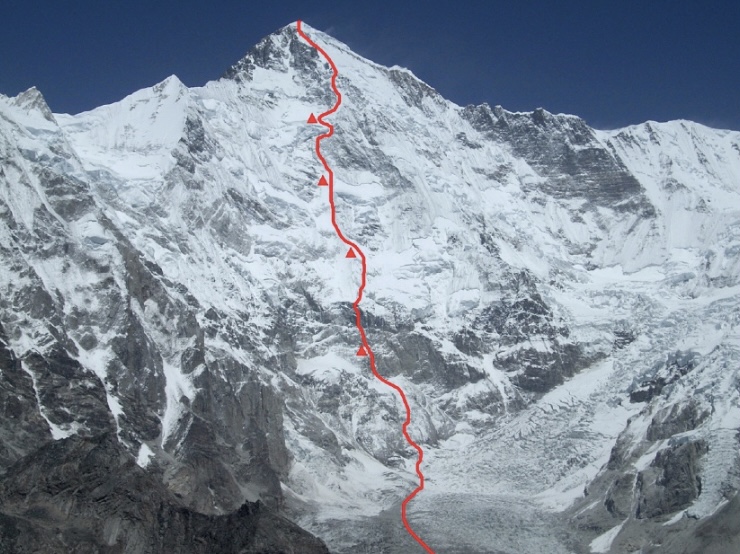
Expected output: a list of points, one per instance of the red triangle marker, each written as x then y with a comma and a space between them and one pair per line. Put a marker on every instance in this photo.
312, 119
323, 182
350, 254
362, 351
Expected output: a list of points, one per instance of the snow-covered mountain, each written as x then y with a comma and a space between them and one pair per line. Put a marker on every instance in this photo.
559, 303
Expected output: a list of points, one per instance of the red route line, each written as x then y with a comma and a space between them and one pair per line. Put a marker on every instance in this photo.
356, 305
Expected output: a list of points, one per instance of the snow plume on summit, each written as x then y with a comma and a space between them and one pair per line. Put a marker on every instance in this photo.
559, 304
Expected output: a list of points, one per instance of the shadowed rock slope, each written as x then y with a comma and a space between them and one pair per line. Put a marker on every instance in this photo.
89, 495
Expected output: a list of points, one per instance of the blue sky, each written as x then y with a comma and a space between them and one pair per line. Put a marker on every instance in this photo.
613, 63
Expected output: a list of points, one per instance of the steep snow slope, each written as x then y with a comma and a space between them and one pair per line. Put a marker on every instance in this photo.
559, 303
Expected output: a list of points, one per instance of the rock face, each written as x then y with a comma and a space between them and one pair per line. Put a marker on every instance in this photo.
559, 303
22, 429
567, 153
672, 481
88, 494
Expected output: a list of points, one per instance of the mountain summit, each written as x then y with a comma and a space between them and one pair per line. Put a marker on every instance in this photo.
559, 303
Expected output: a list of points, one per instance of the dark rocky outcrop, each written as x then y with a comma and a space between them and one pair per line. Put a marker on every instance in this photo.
677, 364
22, 428
61, 382
278, 51
520, 318
563, 149
89, 495
672, 481
619, 496
676, 419
643, 501
717, 534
